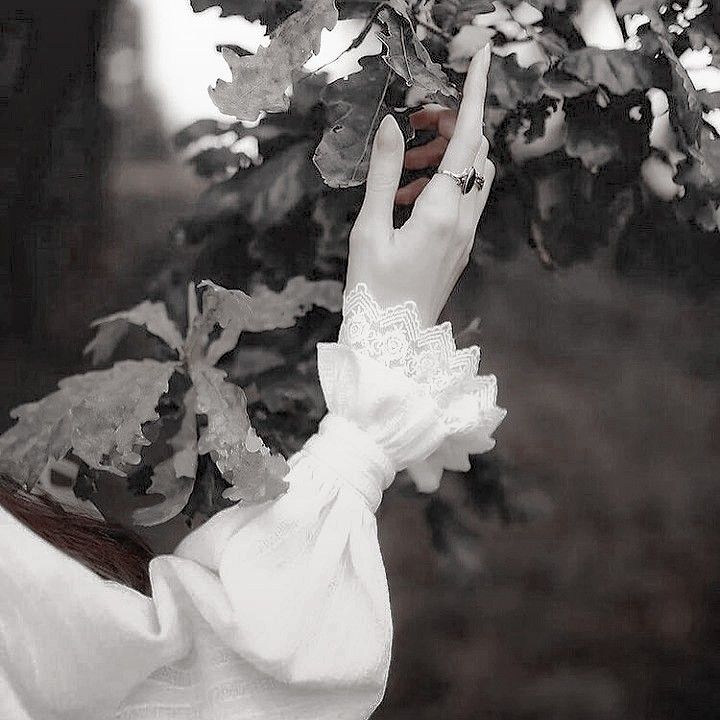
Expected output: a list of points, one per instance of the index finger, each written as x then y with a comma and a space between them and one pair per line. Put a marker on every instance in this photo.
465, 141
440, 199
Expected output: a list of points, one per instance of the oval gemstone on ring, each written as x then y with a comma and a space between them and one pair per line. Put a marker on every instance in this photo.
469, 181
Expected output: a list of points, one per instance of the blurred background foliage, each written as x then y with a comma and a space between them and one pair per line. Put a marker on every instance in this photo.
573, 573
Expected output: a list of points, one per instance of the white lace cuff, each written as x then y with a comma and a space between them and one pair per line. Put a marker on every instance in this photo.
395, 337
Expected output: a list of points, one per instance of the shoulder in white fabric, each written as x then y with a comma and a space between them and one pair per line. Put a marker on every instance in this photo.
395, 337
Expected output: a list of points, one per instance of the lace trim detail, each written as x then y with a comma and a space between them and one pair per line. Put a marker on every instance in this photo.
395, 337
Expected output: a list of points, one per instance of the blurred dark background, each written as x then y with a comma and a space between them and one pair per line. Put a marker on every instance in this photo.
602, 600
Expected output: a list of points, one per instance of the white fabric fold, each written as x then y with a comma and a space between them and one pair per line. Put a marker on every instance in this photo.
468, 414
362, 463
398, 413
277, 610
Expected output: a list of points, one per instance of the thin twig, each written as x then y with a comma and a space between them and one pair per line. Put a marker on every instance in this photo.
538, 244
711, 127
434, 29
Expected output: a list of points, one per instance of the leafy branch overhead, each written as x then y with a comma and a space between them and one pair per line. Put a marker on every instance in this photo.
601, 126
549, 57
260, 82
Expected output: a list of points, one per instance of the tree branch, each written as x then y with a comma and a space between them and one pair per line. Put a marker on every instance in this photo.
434, 29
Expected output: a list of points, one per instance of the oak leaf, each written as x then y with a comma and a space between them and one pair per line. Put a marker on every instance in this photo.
463, 46
510, 85
595, 144
453, 14
241, 457
587, 69
407, 56
649, 8
99, 415
269, 12
269, 310
229, 309
174, 478
684, 99
152, 316
260, 81
355, 106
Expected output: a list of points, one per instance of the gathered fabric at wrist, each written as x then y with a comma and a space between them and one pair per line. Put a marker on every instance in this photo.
354, 456
467, 413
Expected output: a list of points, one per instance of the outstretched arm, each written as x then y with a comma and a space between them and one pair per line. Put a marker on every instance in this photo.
281, 609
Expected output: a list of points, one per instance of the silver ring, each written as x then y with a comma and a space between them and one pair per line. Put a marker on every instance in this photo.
466, 180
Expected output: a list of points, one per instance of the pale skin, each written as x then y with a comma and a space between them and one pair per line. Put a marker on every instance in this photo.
423, 259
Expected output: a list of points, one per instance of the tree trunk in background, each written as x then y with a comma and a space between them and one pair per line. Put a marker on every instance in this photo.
53, 151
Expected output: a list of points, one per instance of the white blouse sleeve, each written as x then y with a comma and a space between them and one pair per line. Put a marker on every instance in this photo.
277, 610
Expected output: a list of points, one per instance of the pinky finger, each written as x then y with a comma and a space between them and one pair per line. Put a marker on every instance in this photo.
407, 194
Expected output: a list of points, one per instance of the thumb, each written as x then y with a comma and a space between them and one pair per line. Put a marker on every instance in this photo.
386, 163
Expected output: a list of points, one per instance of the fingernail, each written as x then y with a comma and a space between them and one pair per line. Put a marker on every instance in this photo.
486, 53
386, 135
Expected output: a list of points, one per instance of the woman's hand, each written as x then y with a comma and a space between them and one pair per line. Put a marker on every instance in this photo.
423, 259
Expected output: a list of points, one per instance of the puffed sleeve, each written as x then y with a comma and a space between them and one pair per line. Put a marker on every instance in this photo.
276, 610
